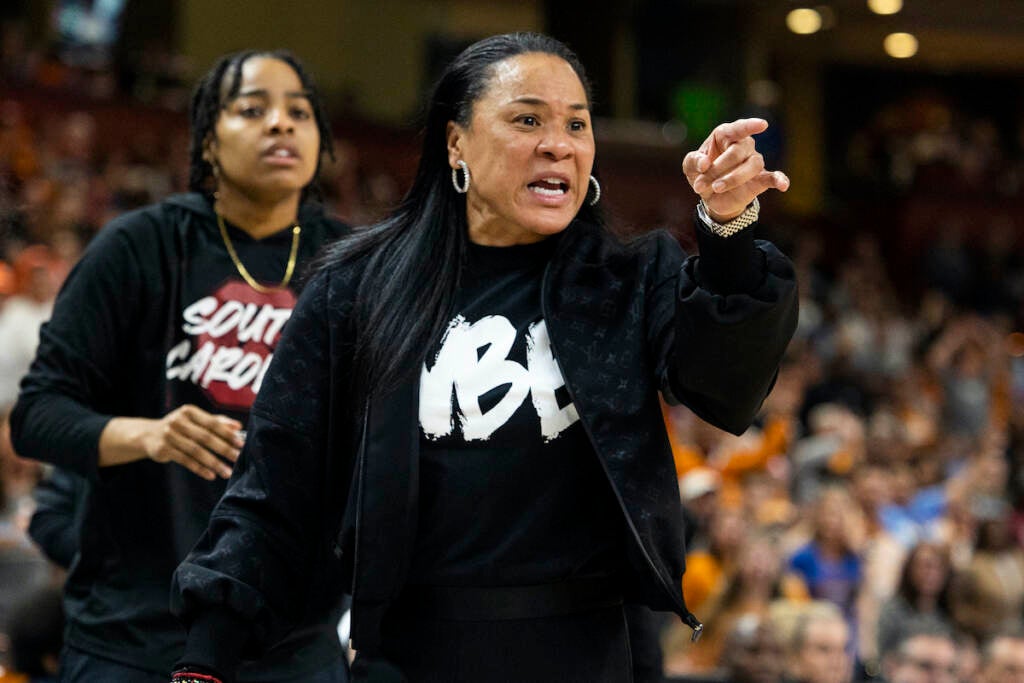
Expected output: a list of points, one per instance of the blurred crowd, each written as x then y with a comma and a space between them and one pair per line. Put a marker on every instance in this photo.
871, 523
877, 508
926, 143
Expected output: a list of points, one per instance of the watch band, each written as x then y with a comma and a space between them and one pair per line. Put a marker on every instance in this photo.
732, 227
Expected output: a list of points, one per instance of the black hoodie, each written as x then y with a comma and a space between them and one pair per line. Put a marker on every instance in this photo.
154, 316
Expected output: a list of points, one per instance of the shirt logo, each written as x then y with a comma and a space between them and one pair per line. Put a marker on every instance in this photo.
231, 336
472, 361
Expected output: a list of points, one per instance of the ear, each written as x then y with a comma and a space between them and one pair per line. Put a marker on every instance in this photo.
454, 135
210, 149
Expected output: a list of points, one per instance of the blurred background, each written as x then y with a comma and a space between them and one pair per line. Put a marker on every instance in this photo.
896, 428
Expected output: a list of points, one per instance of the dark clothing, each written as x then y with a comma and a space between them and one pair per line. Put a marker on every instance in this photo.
57, 519
624, 322
152, 317
77, 666
645, 629
591, 647
501, 443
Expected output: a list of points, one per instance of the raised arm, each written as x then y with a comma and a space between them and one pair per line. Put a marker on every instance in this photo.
734, 307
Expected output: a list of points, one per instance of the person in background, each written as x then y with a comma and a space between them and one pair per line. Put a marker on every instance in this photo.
829, 565
923, 594
925, 655
753, 653
1002, 658
21, 316
818, 651
156, 348
987, 594
463, 424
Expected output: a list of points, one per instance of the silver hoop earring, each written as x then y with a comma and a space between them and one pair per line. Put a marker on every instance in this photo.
464, 187
597, 190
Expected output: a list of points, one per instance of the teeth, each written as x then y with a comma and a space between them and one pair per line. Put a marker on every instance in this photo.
282, 153
546, 191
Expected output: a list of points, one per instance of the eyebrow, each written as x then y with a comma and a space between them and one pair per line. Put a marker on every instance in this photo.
263, 92
539, 102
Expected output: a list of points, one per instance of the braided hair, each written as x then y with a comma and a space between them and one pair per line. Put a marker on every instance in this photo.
218, 87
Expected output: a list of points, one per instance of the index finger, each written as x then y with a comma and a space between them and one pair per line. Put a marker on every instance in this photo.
727, 133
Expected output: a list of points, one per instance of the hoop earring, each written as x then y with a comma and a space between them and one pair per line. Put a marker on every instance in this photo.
597, 191
464, 187
214, 168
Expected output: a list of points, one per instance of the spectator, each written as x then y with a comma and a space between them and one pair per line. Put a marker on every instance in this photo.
753, 652
988, 594
818, 650
923, 595
925, 655
964, 359
756, 582
1002, 658
829, 565
22, 315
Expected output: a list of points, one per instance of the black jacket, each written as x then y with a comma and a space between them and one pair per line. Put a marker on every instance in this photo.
625, 321
106, 352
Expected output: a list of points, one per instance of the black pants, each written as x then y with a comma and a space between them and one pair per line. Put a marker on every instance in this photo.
77, 666
586, 647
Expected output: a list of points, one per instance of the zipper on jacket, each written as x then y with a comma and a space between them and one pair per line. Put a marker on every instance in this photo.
361, 464
687, 616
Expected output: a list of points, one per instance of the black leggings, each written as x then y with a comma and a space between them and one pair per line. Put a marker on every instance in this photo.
587, 647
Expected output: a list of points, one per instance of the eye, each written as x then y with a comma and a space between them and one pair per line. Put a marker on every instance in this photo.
301, 114
251, 112
578, 125
528, 120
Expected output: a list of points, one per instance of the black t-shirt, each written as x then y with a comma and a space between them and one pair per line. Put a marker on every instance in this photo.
221, 343
511, 490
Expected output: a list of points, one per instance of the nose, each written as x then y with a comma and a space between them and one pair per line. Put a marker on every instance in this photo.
278, 120
555, 145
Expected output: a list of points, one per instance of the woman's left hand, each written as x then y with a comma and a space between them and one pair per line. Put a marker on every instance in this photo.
727, 171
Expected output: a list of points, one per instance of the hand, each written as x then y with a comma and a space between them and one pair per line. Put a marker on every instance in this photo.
727, 171
196, 440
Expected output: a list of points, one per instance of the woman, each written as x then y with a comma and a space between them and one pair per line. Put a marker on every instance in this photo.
157, 344
923, 595
485, 536
829, 565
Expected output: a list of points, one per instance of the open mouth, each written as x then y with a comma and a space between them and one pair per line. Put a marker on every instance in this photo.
281, 151
549, 187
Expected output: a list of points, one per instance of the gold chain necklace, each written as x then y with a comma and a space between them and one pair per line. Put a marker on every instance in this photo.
296, 229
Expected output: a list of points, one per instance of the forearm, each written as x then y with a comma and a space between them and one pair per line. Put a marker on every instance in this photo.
123, 440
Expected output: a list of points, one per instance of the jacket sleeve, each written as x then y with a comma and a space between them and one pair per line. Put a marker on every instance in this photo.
57, 519
242, 587
71, 389
720, 323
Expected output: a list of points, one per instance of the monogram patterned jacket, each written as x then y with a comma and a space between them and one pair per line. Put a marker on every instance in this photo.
324, 496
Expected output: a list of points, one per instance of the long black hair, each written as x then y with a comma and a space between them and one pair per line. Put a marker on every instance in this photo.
218, 87
413, 257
